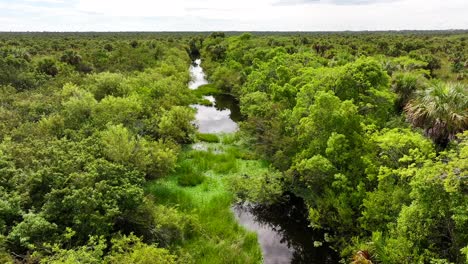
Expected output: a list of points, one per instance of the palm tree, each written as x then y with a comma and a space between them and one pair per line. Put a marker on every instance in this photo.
441, 110
405, 84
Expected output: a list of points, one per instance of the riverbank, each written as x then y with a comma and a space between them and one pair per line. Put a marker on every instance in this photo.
207, 202
217, 174
198, 193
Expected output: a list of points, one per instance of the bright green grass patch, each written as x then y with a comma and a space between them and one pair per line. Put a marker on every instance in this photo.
188, 175
221, 162
211, 138
220, 239
229, 139
207, 89
191, 179
205, 102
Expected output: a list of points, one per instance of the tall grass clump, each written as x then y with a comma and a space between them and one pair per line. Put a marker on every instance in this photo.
217, 162
210, 138
207, 89
198, 189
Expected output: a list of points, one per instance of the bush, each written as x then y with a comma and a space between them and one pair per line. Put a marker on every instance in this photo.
109, 47
71, 57
106, 83
174, 226
48, 66
258, 185
229, 139
130, 249
176, 124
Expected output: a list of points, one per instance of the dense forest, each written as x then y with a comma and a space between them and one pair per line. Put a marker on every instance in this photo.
99, 164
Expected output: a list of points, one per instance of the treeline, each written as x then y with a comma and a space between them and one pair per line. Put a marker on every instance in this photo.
369, 129
84, 123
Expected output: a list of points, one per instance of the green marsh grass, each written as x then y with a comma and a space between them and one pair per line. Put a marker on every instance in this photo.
210, 138
221, 239
207, 89
205, 102
229, 139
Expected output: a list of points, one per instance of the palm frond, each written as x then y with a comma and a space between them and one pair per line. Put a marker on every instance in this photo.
441, 110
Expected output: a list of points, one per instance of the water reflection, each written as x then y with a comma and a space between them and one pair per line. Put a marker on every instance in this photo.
282, 229
211, 120
226, 101
197, 74
283, 232
222, 116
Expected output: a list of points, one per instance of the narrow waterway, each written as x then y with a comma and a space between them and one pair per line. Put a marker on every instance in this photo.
220, 117
284, 234
282, 229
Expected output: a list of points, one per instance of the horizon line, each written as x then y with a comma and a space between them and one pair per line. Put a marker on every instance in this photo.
243, 31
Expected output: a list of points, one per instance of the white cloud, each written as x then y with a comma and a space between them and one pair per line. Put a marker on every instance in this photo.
138, 8
46, 1
180, 8
242, 15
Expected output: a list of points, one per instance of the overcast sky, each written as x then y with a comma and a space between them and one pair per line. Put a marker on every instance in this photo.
239, 15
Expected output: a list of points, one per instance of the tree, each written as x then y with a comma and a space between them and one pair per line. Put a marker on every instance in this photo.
433, 227
441, 110
48, 66
176, 124
405, 85
71, 57
106, 83
330, 161
394, 156
155, 159
31, 232
118, 110
130, 249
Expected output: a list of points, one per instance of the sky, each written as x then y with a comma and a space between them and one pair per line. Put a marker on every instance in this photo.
232, 15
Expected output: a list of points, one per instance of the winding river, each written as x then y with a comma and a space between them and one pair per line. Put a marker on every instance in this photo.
220, 117
282, 229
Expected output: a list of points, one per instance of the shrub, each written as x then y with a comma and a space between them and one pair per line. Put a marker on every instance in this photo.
48, 66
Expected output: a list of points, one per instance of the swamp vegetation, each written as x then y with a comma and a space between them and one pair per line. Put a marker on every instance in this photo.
350, 147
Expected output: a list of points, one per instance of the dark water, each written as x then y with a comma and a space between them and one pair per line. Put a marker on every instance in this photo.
226, 101
282, 229
283, 232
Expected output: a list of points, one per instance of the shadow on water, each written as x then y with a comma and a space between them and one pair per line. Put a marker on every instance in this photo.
226, 101
282, 228
286, 223
224, 113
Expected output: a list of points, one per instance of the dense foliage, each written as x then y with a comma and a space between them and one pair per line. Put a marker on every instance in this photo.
369, 129
85, 122
341, 116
